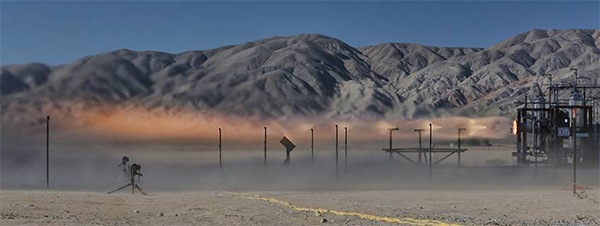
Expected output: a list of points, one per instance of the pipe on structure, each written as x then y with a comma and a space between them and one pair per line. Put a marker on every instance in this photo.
550, 125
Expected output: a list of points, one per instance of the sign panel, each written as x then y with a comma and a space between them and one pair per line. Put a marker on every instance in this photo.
287, 143
564, 131
582, 135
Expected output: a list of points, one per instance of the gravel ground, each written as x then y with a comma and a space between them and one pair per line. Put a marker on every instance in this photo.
483, 206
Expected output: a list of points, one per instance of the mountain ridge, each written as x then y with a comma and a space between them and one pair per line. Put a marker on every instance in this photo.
307, 75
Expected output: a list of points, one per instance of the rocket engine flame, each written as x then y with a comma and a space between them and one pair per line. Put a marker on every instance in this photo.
143, 125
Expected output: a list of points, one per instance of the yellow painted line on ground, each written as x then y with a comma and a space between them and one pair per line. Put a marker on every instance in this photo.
409, 221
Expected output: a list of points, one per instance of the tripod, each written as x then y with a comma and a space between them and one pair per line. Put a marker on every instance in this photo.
135, 170
125, 171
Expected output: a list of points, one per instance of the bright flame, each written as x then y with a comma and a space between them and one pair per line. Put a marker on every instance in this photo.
514, 127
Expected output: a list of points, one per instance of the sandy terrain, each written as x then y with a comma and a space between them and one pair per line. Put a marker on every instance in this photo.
487, 190
502, 206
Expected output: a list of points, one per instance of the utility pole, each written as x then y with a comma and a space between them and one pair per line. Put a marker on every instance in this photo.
459, 130
420, 145
345, 149
220, 162
312, 146
430, 150
392, 130
48, 151
336, 151
265, 147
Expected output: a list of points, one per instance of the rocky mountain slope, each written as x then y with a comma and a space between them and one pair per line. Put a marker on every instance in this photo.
305, 75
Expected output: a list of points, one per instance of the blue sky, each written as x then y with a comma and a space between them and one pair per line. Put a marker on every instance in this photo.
61, 32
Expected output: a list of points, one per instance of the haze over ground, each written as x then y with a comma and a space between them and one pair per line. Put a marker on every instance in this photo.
158, 81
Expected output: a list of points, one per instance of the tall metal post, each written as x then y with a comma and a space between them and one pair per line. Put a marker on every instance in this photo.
534, 149
420, 144
520, 148
265, 148
392, 130
430, 150
459, 130
48, 151
574, 134
345, 149
312, 146
523, 154
220, 162
336, 151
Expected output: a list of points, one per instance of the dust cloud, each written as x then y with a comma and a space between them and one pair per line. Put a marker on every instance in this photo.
143, 125
179, 152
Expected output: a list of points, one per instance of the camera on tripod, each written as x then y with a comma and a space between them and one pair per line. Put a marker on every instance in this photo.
130, 172
136, 170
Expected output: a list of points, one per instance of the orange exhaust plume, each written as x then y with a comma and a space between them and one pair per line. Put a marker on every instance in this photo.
144, 125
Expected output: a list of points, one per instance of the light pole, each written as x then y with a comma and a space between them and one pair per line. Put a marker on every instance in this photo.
430, 150
420, 144
47, 151
265, 150
534, 149
459, 130
345, 149
574, 124
220, 163
336, 151
312, 146
574, 134
392, 130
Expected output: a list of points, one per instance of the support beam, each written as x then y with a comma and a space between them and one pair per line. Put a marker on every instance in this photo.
445, 157
407, 158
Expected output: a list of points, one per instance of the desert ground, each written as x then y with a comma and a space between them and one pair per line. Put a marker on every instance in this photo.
188, 188
503, 206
